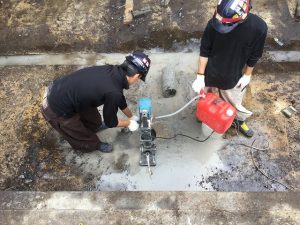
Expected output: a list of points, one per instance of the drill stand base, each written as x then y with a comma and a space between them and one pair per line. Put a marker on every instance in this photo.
144, 160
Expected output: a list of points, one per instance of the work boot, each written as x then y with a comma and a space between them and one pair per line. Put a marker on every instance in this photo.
243, 128
105, 147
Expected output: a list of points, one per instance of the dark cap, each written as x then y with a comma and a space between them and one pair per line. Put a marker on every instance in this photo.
141, 62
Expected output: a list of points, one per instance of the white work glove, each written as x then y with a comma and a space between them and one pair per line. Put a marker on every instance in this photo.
198, 84
135, 118
133, 125
244, 81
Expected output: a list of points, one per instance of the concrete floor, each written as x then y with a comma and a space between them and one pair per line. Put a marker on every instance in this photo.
182, 164
148, 208
33, 157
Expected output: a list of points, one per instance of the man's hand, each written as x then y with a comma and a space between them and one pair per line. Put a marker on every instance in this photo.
198, 84
244, 81
133, 125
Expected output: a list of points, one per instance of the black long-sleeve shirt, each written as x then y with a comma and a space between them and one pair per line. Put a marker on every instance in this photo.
229, 53
90, 87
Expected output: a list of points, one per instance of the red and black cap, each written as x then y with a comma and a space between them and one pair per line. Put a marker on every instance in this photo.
229, 14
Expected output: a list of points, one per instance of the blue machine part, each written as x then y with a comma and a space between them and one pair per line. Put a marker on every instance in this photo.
145, 104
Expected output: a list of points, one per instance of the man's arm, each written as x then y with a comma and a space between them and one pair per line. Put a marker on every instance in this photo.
248, 70
257, 49
199, 83
205, 50
125, 123
127, 112
131, 123
255, 55
202, 65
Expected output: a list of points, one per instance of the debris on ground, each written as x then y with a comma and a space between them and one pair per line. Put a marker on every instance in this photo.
278, 42
164, 3
141, 12
128, 17
289, 111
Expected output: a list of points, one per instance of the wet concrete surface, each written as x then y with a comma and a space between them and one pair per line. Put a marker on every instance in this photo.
34, 157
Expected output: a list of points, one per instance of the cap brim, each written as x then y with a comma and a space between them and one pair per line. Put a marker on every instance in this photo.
143, 78
221, 28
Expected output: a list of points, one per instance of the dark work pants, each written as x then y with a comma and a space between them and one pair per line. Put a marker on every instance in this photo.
79, 130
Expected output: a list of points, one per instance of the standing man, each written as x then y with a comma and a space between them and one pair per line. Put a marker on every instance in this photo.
231, 45
70, 103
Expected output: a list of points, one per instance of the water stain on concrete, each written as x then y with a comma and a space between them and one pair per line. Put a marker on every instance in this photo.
179, 159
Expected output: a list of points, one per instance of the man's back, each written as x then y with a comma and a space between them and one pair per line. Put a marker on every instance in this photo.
85, 88
229, 53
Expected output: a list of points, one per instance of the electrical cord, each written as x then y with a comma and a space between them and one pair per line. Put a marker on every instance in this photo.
237, 129
291, 188
184, 135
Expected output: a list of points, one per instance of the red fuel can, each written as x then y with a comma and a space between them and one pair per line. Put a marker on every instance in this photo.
215, 113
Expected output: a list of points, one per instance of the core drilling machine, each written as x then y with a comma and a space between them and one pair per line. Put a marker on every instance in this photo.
211, 110
147, 134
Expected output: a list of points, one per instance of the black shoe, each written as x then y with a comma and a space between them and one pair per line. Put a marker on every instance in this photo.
105, 147
243, 128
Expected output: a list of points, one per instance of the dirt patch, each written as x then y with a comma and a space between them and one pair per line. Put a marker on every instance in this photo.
29, 156
67, 26
269, 95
